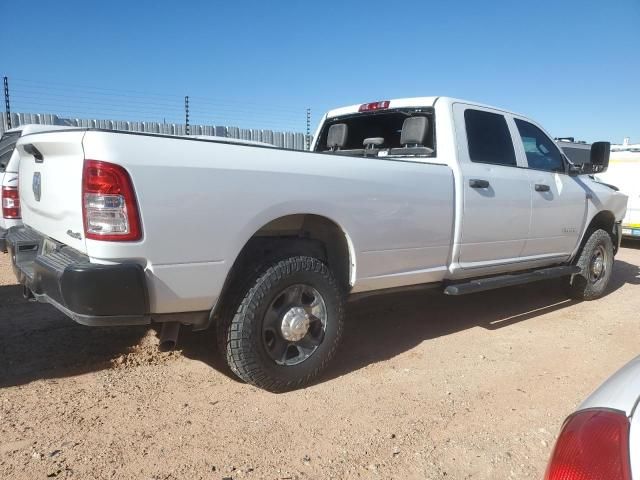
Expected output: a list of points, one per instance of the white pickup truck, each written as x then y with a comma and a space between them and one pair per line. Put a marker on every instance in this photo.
124, 228
9, 163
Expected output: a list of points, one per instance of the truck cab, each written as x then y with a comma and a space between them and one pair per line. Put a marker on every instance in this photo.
520, 203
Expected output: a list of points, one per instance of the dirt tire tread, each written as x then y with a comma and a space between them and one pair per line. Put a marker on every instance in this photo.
579, 287
236, 335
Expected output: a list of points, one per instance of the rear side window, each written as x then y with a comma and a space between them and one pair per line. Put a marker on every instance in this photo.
542, 152
488, 138
7, 144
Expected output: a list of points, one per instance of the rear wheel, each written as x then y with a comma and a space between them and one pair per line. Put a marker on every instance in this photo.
286, 327
596, 265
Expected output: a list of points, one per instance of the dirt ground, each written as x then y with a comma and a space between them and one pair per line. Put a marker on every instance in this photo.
424, 386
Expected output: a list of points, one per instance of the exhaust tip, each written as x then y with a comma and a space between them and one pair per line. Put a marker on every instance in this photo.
169, 336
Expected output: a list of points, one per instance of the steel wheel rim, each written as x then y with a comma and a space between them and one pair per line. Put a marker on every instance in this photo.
598, 264
294, 324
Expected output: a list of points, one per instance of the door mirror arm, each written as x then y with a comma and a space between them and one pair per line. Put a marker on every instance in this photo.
574, 170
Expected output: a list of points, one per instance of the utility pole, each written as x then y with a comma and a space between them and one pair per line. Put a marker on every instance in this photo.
7, 104
186, 115
307, 139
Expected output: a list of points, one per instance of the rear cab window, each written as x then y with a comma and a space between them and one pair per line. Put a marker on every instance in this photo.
488, 138
7, 145
380, 133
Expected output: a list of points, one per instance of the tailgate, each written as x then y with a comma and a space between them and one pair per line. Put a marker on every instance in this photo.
51, 185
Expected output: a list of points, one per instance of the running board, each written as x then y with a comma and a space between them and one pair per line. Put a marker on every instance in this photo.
490, 283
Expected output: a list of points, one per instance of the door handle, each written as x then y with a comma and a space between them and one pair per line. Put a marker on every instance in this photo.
476, 183
541, 187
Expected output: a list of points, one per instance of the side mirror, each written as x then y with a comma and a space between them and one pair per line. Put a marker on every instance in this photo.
599, 159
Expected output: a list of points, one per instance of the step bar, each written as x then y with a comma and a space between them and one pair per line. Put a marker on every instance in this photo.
490, 283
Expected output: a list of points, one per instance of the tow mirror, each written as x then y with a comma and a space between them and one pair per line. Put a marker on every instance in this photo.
598, 159
600, 152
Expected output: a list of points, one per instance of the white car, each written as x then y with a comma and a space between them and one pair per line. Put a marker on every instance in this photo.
624, 173
126, 228
601, 440
9, 163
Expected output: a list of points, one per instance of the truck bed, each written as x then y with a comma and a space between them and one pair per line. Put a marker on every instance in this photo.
200, 201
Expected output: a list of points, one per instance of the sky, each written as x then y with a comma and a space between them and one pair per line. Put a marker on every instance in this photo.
574, 66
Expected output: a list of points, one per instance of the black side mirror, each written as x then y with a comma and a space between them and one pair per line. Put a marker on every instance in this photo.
599, 158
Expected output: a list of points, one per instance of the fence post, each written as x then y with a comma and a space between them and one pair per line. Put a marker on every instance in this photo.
7, 104
186, 114
307, 138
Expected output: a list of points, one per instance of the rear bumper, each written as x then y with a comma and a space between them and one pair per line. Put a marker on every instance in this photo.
91, 294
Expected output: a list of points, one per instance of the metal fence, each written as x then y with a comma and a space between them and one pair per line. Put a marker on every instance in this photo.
289, 140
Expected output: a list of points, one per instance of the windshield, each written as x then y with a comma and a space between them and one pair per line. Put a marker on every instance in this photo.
7, 144
380, 133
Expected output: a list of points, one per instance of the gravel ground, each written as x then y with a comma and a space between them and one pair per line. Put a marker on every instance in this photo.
424, 386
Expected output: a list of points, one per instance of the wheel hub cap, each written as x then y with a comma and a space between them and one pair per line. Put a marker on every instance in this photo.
597, 267
295, 324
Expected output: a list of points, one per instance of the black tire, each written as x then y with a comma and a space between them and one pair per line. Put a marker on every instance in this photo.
592, 281
245, 339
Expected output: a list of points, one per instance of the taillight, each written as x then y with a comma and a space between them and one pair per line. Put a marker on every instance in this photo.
593, 445
10, 202
369, 107
109, 203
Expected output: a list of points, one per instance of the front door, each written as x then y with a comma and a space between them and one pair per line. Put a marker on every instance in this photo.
559, 201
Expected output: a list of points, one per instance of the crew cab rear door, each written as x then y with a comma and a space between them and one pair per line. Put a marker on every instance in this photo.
496, 203
50, 178
559, 200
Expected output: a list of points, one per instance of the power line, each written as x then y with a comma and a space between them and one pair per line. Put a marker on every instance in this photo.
30, 102
66, 85
48, 93
145, 106
72, 92
69, 100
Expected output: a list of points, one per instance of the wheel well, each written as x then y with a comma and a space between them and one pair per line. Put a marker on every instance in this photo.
299, 234
310, 234
604, 220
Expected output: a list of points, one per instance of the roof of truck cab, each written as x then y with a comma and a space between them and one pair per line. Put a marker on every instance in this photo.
413, 102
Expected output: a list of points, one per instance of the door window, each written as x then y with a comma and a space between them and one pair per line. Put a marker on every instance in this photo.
542, 153
488, 138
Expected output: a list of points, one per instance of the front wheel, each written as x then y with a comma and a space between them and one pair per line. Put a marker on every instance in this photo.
596, 265
287, 327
